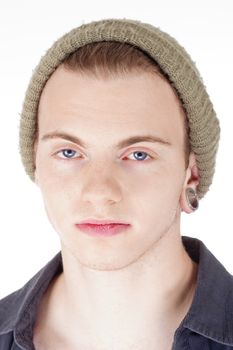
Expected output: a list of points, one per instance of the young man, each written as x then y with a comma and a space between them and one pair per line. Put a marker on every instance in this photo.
104, 135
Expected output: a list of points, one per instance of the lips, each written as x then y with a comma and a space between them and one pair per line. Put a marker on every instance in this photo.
109, 229
103, 222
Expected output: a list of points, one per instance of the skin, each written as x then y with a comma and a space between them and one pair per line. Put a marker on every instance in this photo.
131, 289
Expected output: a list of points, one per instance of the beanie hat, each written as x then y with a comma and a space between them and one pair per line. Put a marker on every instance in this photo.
173, 60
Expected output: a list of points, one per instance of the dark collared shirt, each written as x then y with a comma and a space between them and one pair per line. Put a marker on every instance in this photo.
208, 325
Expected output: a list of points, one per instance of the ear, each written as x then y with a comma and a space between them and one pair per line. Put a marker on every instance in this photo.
35, 144
36, 178
192, 179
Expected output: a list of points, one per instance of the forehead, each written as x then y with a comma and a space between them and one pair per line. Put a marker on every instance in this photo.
134, 102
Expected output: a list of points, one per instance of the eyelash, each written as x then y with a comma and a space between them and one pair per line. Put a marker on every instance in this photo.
66, 158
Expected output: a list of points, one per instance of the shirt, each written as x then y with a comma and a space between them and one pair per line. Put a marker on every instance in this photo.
208, 324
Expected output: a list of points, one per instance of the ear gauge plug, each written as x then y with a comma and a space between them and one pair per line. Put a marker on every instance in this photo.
192, 198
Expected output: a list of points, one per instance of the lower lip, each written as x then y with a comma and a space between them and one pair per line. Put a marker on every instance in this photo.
102, 230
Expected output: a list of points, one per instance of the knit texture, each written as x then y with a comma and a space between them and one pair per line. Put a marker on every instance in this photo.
172, 58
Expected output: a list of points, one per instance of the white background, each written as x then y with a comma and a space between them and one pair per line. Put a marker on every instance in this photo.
27, 30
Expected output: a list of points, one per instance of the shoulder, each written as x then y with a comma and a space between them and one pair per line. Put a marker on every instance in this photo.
15, 305
9, 303
8, 312
210, 317
6, 341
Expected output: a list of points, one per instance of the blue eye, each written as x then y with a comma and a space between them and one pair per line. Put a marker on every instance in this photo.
67, 152
142, 155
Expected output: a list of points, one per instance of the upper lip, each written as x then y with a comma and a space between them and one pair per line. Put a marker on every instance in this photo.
103, 221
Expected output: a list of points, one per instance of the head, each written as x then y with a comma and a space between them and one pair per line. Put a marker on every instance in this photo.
103, 94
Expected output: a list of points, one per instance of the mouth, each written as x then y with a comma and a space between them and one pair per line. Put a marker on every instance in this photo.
103, 222
106, 229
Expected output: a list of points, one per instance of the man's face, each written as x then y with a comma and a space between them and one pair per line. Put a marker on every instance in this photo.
140, 184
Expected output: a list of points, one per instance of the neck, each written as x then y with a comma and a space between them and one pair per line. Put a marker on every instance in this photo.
154, 291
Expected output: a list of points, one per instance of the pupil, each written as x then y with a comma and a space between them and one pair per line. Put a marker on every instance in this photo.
140, 153
69, 152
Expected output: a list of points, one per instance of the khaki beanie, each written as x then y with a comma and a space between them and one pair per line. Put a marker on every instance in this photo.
172, 58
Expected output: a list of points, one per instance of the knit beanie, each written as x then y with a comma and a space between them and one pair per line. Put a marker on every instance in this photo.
172, 58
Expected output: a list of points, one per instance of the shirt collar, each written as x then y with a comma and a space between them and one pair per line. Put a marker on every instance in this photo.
19, 308
211, 311
210, 314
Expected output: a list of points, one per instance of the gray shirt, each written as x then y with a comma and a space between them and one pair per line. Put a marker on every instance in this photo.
208, 324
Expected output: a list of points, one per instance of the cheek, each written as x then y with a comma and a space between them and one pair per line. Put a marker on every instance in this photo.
58, 207
52, 180
56, 197
157, 195
159, 183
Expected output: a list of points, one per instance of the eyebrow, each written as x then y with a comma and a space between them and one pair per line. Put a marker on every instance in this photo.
123, 143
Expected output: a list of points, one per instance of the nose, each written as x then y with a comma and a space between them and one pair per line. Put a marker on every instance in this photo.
101, 186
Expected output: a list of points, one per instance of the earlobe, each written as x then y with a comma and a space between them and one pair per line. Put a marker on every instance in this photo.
34, 152
189, 199
34, 161
36, 181
35, 178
